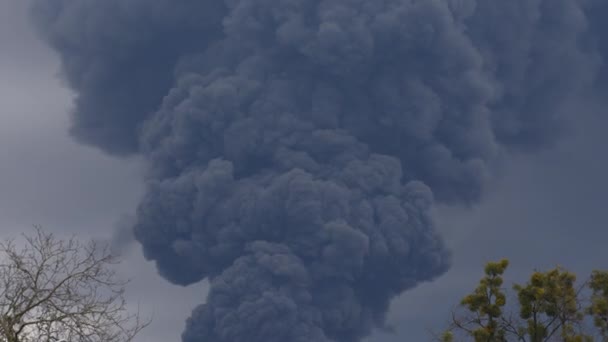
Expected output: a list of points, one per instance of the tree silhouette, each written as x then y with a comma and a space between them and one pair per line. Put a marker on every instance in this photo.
53, 289
550, 308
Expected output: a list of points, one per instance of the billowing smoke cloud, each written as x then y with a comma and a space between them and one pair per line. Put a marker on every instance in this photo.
295, 147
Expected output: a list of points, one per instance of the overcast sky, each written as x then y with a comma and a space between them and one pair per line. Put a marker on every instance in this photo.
544, 210
47, 179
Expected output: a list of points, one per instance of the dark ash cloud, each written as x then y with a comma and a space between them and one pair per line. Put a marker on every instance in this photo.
295, 147
119, 56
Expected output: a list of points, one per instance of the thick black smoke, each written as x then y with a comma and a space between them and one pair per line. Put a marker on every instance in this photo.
295, 146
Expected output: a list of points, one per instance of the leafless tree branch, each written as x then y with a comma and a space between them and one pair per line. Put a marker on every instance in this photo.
53, 289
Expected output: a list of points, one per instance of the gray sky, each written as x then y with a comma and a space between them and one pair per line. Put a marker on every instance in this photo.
47, 179
544, 210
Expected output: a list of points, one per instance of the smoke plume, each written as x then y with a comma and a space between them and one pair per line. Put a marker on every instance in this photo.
295, 147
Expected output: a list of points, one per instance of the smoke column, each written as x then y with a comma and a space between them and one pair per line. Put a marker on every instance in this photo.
295, 147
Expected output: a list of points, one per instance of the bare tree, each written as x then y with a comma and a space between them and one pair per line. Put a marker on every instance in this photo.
53, 289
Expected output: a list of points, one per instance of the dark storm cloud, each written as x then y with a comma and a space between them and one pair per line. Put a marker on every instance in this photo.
597, 10
547, 210
536, 50
120, 55
294, 147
